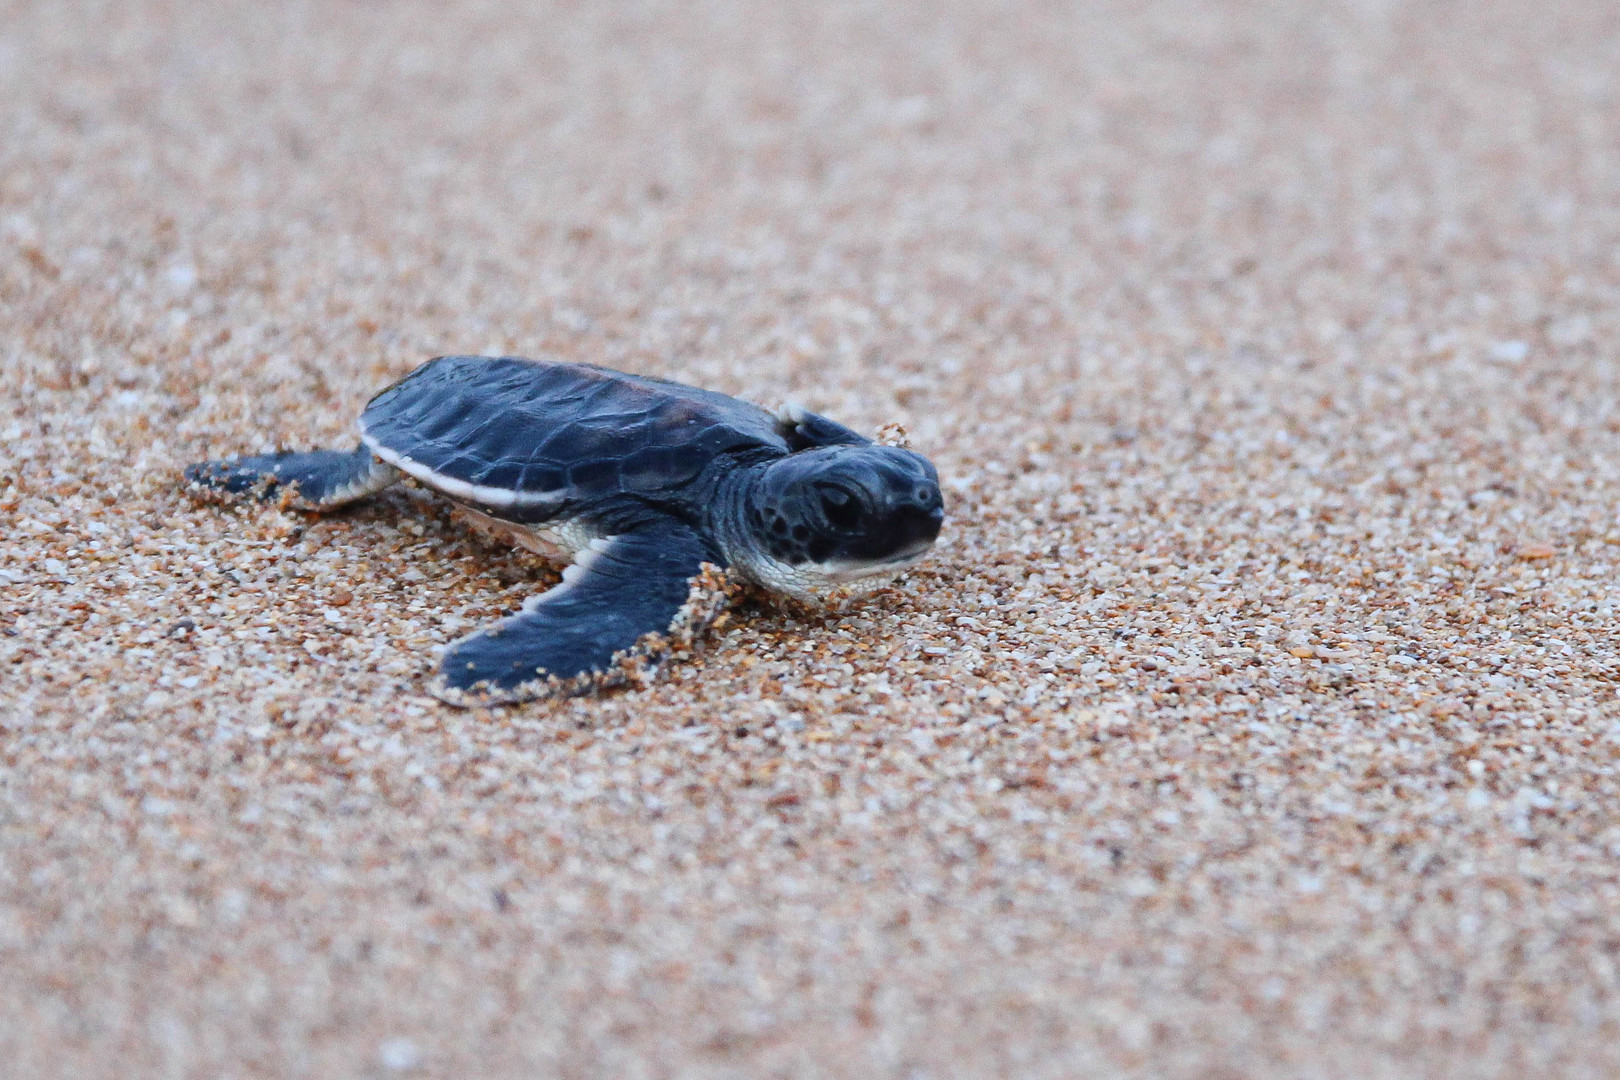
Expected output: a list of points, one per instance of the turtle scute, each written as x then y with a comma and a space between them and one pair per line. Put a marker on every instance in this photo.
581, 432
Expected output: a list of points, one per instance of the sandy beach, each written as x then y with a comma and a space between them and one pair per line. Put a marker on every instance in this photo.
1255, 718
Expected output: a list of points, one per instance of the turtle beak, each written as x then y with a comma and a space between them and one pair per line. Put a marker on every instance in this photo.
925, 525
916, 519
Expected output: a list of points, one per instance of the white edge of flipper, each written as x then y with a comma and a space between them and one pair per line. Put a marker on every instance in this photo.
710, 592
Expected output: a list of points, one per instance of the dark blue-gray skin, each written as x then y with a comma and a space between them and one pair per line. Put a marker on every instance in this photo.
660, 493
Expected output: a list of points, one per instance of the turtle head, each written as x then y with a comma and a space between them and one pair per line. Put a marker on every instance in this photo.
839, 515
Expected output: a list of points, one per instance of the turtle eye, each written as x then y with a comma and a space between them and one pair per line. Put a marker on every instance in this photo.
841, 509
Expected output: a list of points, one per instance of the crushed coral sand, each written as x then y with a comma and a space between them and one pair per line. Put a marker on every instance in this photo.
1255, 718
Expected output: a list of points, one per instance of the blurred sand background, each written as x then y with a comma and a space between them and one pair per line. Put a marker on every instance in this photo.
1256, 719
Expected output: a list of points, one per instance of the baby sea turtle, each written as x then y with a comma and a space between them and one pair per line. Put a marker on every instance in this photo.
651, 487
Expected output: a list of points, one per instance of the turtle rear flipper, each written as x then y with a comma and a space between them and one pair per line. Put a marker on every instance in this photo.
314, 479
621, 607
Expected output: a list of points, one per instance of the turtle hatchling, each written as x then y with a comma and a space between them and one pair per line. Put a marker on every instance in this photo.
660, 494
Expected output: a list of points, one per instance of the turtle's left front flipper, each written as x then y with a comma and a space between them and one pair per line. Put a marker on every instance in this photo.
621, 607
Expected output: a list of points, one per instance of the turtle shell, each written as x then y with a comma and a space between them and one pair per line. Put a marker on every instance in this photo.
525, 438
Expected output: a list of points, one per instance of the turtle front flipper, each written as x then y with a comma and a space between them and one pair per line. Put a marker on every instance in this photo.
802, 429
621, 608
314, 480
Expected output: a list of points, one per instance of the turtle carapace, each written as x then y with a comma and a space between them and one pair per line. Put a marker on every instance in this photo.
650, 487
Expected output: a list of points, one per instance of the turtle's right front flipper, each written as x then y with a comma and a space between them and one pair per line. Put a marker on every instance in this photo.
622, 605
314, 480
